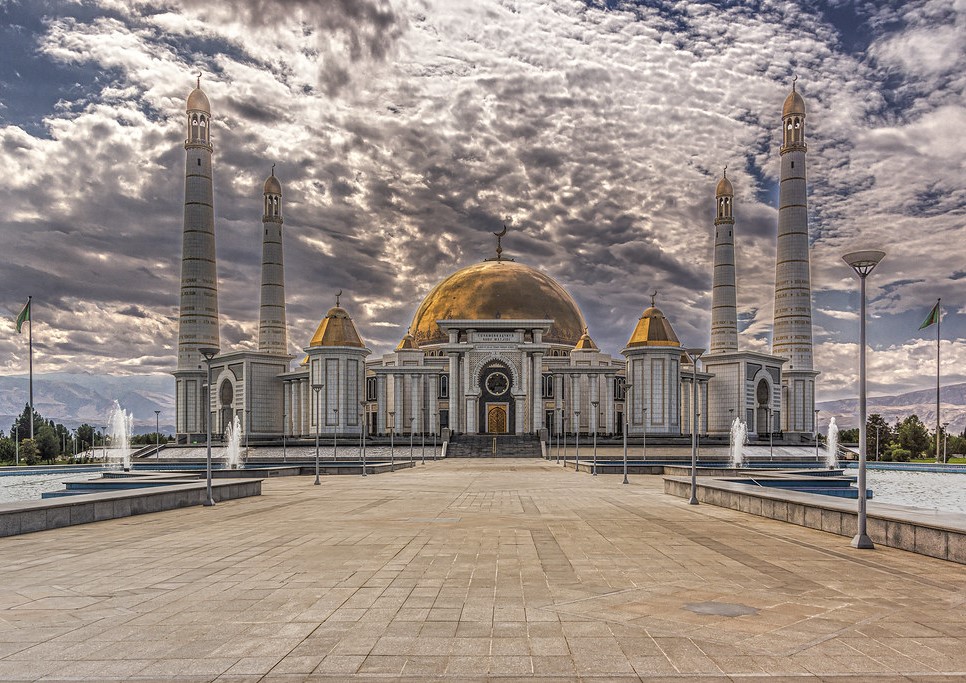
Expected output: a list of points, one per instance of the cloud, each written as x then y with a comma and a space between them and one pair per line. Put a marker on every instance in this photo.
404, 132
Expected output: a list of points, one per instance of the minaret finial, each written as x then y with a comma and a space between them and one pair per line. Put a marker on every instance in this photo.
198, 83
273, 169
337, 297
499, 239
653, 296
794, 78
726, 171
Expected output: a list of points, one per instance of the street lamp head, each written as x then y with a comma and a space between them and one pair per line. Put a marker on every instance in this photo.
862, 262
318, 387
209, 352
595, 403
694, 353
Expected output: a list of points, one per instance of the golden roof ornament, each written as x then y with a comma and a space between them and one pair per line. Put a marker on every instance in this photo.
338, 295
499, 241
653, 296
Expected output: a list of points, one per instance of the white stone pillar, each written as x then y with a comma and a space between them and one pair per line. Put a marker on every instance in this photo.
414, 382
538, 416
594, 424
558, 392
471, 414
398, 404
382, 401
454, 392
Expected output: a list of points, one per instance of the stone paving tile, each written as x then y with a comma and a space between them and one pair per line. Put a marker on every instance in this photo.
464, 570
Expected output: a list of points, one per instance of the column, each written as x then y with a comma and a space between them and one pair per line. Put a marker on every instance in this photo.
524, 400
398, 405
609, 386
594, 424
434, 404
471, 414
558, 388
414, 382
382, 404
454, 392
538, 416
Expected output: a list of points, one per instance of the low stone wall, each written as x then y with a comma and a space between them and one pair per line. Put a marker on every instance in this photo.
926, 532
52, 513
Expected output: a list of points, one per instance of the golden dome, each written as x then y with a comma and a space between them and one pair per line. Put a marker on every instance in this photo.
724, 188
794, 104
198, 101
272, 186
498, 289
653, 329
407, 344
337, 329
585, 343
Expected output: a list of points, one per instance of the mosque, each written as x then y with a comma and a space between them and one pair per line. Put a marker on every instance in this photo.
497, 347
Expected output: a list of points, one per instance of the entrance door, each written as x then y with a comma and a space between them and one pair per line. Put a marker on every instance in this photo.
496, 420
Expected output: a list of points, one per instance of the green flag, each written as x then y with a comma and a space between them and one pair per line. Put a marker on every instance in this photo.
932, 318
24, 316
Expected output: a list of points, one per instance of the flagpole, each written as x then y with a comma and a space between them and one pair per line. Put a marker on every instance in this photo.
30, 336
939, 317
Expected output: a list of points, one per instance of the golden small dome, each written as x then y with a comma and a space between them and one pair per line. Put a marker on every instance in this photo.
198, 101
272, 186
724, 188
653, 329
498, 289
337, 329
407, 344
585, 343
794, 104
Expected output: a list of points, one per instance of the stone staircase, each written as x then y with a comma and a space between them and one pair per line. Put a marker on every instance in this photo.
482, 446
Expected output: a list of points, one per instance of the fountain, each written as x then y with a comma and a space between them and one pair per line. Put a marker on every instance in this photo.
119, 425
831, 453
739, 437
233, 444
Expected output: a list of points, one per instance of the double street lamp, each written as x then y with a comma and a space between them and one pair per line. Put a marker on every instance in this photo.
335, 436
363, 425
208, 352
317, 388
594, 426
392, 441
693, 355
862, 262
157, 435
576, 441
628, 387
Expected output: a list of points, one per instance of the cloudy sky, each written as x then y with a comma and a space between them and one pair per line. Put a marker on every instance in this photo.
404, 130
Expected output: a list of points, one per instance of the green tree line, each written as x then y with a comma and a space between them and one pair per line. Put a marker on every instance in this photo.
907, 439
53, 441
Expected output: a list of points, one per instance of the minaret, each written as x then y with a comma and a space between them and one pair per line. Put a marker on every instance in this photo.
198, 321
272, 337
792, 332
724, 309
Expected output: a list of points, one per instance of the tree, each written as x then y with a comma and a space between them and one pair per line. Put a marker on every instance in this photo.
85, 437
21, 426
872, 443
28, 452
8, 450
48, 445
913, 436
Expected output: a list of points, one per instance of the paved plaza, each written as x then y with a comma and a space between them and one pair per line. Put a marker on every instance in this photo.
470, 570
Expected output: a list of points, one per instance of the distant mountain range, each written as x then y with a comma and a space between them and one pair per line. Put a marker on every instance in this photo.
74, 399
891, 408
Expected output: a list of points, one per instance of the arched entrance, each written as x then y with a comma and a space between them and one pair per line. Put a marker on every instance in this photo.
226, 397
496, 419
496, 411
762, 403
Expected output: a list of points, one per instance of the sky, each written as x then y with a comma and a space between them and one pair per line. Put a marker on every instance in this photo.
404, 132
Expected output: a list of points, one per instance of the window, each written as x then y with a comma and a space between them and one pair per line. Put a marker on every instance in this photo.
620, 388
370, 388
443, 386
547, 386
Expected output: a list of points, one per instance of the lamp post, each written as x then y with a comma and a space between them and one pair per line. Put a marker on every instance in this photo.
411, 421
317, 388
563, 430
628, 387
945, 442
771, 434
559, 430
363, 425
595, 404
815, 435
862, 262
693, 355
422, 438
284, 430
392, 435
208, 352
435, 430
576, 440
157, 434
877, 428
335, 437
644, 433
